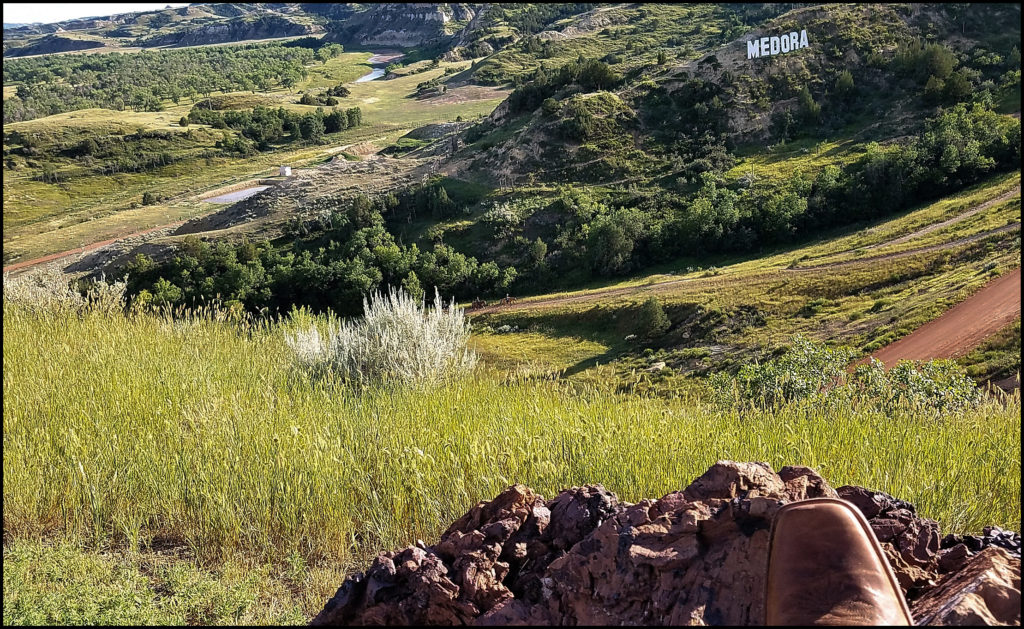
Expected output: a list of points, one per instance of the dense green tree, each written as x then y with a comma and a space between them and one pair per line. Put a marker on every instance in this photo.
844, 84
652, 321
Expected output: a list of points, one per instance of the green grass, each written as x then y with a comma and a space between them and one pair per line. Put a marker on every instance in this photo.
65, 584
998, 357
115, 433
162, 472
95, 208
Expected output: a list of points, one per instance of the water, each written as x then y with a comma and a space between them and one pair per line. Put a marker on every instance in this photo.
379, 62
376, 73
237, 195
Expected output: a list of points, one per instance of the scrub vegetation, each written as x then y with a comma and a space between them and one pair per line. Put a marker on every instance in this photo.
666, 255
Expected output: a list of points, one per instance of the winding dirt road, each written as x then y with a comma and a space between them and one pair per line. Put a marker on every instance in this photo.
1006, 196
961, 328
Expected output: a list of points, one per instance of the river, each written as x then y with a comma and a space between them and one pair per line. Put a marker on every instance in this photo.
379, 62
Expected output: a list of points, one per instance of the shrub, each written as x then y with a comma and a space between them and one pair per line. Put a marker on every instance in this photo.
50, 291
813, 371
940, 385
397, 341
652, 320
805, 369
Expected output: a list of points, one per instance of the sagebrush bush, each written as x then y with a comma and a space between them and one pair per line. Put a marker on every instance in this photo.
50, 290
398, 340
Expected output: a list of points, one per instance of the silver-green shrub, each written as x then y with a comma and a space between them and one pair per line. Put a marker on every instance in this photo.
398, 340
50, 290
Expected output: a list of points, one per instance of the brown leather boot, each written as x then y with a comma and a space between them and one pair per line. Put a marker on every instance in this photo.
825, 567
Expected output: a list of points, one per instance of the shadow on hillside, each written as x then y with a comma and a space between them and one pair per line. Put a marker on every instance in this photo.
593, 361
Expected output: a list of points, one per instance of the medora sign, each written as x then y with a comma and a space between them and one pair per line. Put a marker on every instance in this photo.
773, 45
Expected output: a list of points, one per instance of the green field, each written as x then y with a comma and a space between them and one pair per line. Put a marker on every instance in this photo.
117, 439
685, 232
42, 218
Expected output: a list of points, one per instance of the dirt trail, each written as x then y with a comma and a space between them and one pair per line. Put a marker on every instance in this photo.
659, 287
961, 328
902, 254
87, 248
946, 223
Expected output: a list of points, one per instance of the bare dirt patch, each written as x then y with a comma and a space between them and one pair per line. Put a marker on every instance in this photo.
963, 327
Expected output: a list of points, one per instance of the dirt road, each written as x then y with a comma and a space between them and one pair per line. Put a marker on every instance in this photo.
963, 327
87, 248
952, 221
661, 286
909, 252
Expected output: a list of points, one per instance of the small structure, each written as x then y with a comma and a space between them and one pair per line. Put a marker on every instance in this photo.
285, 171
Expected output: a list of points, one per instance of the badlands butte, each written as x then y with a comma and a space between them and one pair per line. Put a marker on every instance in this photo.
667, 239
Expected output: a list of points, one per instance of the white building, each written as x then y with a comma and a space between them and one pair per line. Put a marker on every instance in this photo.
285, 171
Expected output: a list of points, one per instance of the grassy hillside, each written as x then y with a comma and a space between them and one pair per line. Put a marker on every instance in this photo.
684, 234
189, 474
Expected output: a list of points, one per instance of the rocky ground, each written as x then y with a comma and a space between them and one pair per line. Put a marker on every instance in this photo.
694, 557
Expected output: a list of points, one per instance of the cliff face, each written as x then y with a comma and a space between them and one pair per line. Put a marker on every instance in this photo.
262, 27
403, 25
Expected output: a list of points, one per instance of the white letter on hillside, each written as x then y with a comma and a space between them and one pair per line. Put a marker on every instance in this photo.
753, 50
803, 39
794, 40
775, 45
764, 47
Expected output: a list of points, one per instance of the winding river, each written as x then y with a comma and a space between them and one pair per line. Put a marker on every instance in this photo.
379, 62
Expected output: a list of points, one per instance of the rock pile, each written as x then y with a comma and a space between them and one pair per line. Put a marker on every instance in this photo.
696, 556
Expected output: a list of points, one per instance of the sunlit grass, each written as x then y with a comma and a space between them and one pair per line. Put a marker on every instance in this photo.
194, 433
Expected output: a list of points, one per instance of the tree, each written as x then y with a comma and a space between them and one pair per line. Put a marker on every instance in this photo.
183, 122
652, 321
933, 90
355, 116
662, 58
165, 293
957, 88
335, 121
810, 110
844, 84
312, 127
411, 284
328, 51
538, 251
148, 198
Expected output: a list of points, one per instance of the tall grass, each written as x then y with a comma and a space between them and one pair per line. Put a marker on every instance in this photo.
141, 430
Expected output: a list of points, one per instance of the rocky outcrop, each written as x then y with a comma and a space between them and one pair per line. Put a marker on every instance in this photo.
695, 556
403, 24
985, 591
263, 26
52, 44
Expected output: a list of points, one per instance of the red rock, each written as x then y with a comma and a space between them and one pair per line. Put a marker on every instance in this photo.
695, 556
986, 591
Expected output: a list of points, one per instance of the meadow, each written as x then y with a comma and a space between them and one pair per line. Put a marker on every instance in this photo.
41, 218
194, 475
